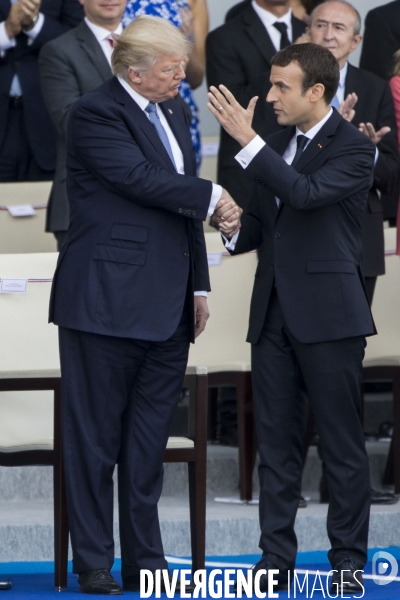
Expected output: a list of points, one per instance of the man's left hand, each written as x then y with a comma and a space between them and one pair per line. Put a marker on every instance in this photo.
30, 8
235, 119
369, 130
201, 314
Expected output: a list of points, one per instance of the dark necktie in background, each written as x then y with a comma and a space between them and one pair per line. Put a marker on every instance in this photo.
162, 134
301, 144
282, 28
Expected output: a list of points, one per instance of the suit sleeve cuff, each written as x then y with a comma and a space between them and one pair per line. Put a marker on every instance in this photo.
5, 41
376, 155
246, 155
215, 196
231, 244
201, 294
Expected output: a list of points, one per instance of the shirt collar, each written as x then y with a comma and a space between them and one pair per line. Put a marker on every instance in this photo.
311, 133
138, 98
343, 75
101, 33
268, 18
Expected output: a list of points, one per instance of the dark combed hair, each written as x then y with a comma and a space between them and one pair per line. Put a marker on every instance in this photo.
317, 63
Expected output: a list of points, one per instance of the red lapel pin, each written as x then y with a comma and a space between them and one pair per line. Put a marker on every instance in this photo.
319, 145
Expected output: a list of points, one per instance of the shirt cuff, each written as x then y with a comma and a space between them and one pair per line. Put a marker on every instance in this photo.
215, 196
376, 155
34, 32
201, 294
231, 244
246, 155
5, 41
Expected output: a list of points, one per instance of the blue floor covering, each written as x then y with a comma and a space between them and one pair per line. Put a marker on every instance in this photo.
34, 581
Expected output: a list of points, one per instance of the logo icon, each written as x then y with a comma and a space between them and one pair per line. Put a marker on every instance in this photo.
384, 568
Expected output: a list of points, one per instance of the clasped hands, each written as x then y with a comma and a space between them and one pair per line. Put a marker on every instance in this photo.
227, 215
21, 15
346, 109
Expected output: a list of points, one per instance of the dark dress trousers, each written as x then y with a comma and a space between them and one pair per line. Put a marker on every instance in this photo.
123, 299
70, 66
308, 321
375, 105
238, 54
22, 60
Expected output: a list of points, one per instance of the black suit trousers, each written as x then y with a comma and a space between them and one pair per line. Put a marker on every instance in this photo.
284, 371
119, 397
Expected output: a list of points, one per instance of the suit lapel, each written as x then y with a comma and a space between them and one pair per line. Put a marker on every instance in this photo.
122, 97
92, 48
181, 134
319, 142
258, 34
351, 83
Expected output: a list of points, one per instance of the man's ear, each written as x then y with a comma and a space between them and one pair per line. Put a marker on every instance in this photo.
355, 42
317, 92
134, 76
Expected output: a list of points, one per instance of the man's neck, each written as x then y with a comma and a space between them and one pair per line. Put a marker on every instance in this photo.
314, 119
109, 25
279, 11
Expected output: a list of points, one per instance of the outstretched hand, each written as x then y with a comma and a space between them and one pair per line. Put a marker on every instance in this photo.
346, 108
235, 119
369, 130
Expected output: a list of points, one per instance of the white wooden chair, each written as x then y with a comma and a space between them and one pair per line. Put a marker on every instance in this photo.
25, 234
223, 349
30, 401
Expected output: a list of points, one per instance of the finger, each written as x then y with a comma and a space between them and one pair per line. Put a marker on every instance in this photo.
383, 131
228, 95
252, 105
220, 97
215, 112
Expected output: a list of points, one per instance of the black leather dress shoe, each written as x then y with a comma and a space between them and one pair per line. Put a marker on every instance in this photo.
352, 580
376, 497
302, 502
131, 583
281, 578
6, 584
98, 581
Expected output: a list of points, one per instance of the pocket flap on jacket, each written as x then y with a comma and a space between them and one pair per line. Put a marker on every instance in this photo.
132, 233
330, 266
120, 255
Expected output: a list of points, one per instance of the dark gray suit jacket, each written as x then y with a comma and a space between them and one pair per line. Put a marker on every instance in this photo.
70, 66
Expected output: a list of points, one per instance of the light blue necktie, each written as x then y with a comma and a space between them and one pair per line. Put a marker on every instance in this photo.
162, 134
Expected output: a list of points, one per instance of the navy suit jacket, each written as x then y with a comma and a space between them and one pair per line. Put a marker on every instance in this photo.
311, 245
22, 60
135, 245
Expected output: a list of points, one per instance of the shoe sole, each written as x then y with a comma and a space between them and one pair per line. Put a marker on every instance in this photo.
101, 593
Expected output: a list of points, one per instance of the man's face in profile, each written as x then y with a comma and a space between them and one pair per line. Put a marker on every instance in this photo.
290, 104
162, 80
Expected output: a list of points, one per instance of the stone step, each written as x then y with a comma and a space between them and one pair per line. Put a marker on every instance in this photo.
26, 529
35, 483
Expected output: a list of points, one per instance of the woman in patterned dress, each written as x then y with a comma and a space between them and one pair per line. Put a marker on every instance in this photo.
192, 17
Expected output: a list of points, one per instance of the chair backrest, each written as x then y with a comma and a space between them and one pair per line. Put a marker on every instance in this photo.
386, 307
29, 345
25, 234
223, 344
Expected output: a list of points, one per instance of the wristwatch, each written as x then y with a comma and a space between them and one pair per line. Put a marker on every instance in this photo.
32, 23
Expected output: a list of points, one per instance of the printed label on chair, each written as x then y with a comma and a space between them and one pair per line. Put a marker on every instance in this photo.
13, 286
22, 210
214, 259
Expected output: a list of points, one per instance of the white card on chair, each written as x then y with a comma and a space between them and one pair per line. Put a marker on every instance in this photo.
21, 210
13, 286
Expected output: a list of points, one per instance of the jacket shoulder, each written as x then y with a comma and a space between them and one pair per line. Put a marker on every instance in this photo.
61, 43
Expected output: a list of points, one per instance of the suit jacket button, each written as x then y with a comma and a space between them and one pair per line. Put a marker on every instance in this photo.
272, 268
180, 210
186, 254
277, 235
189, 212
194, 213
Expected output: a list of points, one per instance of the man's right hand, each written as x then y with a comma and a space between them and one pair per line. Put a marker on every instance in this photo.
13, 23
346, 109
227, 215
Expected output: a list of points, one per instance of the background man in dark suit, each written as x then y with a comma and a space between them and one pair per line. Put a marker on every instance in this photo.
74, 64
381, 39
133, 259
27, 135
309, 312
238, 54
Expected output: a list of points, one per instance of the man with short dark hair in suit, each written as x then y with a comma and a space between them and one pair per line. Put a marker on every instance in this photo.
128, 296
27, 135
309, 312
74, 64
238, 54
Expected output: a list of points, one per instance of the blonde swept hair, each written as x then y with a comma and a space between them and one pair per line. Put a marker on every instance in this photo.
396, 69
144, 41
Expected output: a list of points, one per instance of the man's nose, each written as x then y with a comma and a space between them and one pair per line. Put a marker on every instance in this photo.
329, 32
271, 97
181, 73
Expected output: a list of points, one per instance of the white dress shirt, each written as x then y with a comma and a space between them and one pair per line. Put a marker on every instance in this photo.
102, 36
268, 20
247, 154
176, 151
